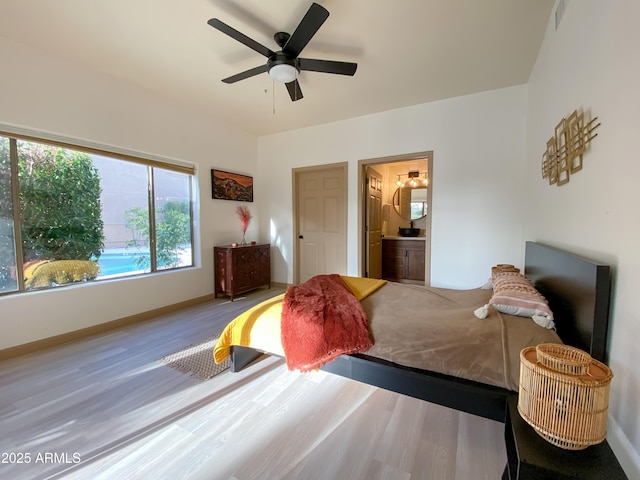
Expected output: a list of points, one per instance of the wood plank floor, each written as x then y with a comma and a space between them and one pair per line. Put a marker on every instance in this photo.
105, 408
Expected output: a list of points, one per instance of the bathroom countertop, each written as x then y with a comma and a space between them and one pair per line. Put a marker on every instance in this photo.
397, 237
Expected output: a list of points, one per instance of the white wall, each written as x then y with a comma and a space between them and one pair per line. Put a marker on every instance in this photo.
592, 63
478, 144
44, 93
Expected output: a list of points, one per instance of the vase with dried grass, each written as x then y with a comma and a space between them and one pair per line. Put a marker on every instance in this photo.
244, 214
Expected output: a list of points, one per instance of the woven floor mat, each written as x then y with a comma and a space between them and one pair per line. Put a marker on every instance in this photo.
197, 360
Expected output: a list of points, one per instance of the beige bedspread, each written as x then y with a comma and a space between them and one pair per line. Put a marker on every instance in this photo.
435, 329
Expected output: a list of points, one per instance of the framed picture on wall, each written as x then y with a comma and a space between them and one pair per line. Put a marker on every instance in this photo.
231, 186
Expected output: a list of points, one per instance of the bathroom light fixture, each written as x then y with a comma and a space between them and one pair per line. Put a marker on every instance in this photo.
413, 179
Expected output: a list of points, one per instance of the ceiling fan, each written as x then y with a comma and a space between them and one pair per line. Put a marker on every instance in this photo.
284, 65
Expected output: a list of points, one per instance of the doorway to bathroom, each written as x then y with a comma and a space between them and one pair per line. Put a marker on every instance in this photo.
394, 215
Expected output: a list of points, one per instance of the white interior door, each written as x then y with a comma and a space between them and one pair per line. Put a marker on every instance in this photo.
321, 201
374, 223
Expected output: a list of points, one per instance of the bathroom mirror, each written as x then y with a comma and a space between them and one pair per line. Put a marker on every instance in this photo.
410, 203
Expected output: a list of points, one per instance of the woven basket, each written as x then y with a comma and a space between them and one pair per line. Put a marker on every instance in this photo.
564, 395
504, 267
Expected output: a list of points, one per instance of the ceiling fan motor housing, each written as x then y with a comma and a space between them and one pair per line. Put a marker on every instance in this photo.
282, 73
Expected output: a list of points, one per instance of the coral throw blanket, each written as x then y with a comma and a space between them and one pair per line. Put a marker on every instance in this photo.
321, 320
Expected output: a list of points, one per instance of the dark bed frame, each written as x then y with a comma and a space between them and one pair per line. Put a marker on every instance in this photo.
578, 291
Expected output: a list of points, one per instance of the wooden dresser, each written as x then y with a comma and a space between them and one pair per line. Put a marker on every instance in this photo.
240, 269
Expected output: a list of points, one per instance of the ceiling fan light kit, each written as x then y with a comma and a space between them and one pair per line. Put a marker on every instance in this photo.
283, 73
282, 69
284, 66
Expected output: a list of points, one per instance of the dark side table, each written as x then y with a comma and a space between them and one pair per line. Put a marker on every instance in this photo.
529, 456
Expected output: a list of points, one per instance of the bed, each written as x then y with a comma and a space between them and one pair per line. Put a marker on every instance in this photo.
576, 288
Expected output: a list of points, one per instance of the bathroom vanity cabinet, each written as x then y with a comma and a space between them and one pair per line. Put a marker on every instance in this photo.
403, 260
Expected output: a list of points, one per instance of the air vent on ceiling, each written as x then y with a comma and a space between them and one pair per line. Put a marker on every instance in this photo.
562, 5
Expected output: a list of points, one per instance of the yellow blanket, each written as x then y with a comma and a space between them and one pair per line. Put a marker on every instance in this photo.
259, 327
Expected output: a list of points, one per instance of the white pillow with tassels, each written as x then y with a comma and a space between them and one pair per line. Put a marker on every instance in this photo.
514, 294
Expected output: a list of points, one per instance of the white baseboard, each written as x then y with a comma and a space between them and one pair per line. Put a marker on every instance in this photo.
627, 456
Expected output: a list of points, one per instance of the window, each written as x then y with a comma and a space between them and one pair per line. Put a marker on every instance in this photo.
82, 215
8, 279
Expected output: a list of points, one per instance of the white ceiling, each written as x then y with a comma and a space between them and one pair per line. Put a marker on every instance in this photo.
408, 51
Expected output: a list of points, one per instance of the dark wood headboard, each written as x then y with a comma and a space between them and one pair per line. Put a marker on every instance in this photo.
578, 291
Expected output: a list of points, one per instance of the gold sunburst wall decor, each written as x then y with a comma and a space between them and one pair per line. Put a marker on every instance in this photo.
563, 156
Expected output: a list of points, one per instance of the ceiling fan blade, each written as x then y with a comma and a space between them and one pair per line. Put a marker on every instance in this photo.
294, 90
327, 66
246, 74
309, 25
241, 37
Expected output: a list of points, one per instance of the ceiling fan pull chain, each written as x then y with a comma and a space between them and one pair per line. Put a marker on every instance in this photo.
273, 95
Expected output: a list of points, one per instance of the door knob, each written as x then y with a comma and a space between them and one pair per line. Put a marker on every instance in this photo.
300, 236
